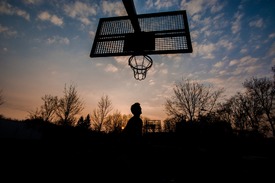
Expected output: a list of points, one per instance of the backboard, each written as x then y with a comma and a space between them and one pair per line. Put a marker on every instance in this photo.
154, 33
142, 35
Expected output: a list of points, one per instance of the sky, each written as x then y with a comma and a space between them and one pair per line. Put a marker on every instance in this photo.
46, 44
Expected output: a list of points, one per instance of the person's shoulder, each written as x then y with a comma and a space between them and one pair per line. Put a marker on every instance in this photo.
131, 119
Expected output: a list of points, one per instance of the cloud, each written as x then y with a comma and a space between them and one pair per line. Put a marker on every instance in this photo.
236, 24
217, 7
91, 34
56, 20
111, 68
149, 4
233, 62
46, 16
226, 44
152, 82
113, 8
271, 36
204, 50
57, 39
217, 68
122, 60
7, 31
6, 8
271, 51
80, 11
257, 23
218, 64
219, 22
159, 4
244, 65
247, 60
243, 50
200, 6
34, 2
193, 7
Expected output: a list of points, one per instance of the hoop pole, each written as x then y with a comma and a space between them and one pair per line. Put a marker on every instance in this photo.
131, 11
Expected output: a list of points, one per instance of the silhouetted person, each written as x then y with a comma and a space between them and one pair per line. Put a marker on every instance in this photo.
133, 130
132, 135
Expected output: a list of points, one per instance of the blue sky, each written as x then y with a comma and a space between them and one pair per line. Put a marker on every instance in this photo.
46, 44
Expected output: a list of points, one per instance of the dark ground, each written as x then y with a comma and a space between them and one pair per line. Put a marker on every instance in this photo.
160, 159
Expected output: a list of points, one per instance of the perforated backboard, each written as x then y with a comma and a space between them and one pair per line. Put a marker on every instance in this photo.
157, 33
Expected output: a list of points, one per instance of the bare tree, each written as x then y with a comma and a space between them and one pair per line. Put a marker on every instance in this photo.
49, 107
35, 114
47, 110
190, 99
69, 106
262, 90
1, 97
243, 111
252, 109
114, 122
223, 111
98, 118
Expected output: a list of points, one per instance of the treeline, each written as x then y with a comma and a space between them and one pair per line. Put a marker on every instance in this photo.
197, 104
64, 111
252, 110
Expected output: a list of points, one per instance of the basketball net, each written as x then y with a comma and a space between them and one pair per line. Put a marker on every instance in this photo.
140, 64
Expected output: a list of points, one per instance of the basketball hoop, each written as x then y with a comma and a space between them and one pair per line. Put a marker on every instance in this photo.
141, 35
140, 64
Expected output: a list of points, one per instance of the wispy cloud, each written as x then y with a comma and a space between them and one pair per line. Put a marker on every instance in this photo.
219, 64
247, 60
271, 36
6, 8
46, 16
258, 23
158, 4
113, 8
245, 65
6, 31
271, 51
80, 11
243, 50
193, 7
236, 24
233, 62
217, 7
111, 68
34, 2
226, 44
59, 40
204, 50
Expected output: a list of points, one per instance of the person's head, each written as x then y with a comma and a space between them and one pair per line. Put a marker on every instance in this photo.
136, 109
